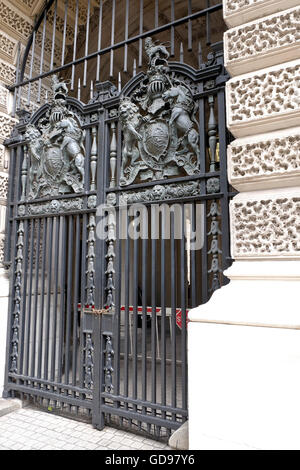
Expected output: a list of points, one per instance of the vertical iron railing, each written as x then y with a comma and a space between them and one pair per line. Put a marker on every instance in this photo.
56, 32
126, 365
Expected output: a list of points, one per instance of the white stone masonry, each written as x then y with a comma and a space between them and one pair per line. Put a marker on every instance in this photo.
244, 344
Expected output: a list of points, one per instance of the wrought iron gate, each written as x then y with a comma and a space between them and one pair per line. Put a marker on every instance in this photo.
117, 225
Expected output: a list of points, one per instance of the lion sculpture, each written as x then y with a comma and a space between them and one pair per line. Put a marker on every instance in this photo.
131, 121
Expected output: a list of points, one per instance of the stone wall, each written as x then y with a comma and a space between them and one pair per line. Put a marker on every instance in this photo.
263, 110
244, 344
16, 22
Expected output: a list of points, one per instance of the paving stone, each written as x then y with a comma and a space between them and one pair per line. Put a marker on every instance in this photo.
27, 428
8, 406
89, 445
138, 445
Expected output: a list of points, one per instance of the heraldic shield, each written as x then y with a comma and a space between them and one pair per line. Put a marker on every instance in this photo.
156, 139
53, 162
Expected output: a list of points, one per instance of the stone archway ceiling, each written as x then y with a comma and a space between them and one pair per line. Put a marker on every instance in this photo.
181, 52
180, 34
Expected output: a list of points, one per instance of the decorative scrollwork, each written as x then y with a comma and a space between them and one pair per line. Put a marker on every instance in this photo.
213, 185
161, 192
56, 206
90, 300
17, 299
108, 368
214, 250
88, 361
110, 255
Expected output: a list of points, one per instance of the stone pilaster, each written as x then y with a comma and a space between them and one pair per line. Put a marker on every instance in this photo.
244, 344
237, 12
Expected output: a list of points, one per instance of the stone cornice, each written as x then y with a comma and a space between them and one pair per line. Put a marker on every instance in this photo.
265, 161
262, 43
29, 7
266, 224
237, 12
14, 22
265, 100
8, 47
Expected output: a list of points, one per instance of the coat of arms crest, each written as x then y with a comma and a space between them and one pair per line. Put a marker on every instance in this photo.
160, 131
56, 149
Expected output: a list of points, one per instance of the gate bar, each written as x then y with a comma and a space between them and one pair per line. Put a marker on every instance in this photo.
137, 416
76, 298
49, 263
143, 35
193, 258
62, 295
41, 309
183, 281
74, 45
99, 40
134, 352
127, 335
153, 315
144, 403
36, 295
30, 254
58, 255
144, 310
68, 297
87, 32
56, 385
24, 296
173, 313
163, 314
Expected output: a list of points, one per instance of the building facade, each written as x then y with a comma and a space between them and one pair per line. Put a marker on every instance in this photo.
250, 396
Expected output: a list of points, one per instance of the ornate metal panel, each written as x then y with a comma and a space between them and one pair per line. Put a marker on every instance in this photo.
117, 225
56, 147
166, 161
54, 156
159, 125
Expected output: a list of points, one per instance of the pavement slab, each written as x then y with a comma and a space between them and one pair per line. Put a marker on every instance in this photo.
32, 429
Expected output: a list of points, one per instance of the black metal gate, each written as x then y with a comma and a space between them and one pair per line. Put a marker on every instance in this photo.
117, 221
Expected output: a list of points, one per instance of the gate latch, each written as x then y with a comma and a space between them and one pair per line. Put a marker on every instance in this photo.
94, 311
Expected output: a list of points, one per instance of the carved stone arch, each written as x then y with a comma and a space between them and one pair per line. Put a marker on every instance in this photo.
37, 25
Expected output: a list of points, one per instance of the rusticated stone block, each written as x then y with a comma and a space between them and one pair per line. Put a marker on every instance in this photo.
265, 161
3, 185
6, 126
263, 43
266, 224
264, 101
237, 12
